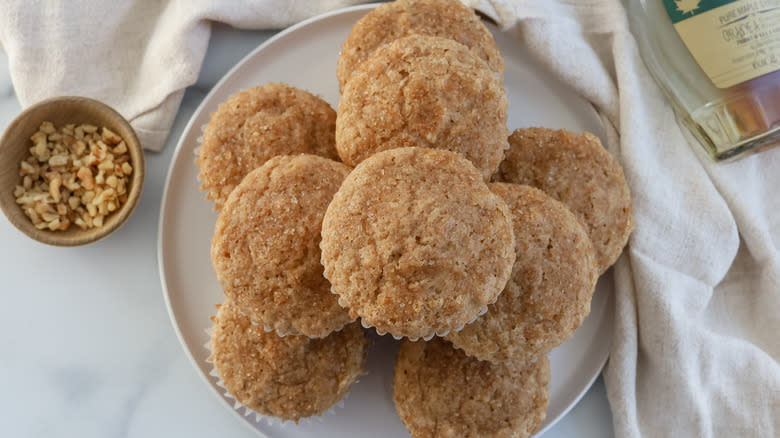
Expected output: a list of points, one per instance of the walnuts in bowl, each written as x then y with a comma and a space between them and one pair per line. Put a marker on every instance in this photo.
74, 175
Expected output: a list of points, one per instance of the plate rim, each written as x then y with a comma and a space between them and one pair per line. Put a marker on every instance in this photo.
162, 221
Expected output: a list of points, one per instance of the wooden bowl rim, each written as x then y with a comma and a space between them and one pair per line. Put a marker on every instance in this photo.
80, 237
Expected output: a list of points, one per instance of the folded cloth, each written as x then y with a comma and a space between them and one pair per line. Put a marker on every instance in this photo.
695, 350
137, 56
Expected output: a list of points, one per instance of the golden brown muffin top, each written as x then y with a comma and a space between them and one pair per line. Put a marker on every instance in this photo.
415, 243
391, 21
422, 91
441, 392
552, 283
576, 170
257, 124
265, 250
289, 377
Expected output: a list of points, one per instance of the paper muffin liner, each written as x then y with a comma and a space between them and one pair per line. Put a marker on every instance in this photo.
265, 327
280, 334
267, 419
518, 363
508, 362
428, 337
199, 140
196, 153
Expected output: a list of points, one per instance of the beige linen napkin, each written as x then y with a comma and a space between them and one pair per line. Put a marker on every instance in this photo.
697, 341
137, 55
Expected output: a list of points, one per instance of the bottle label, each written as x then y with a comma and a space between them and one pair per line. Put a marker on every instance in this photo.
733, 41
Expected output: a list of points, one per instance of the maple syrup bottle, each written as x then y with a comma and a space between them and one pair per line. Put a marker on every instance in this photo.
718, 61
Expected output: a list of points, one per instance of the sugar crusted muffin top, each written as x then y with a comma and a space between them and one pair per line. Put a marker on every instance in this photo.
259, 123
289, 377
422, 91
401, 18
415, 243
441, 392
576, 170
552, 283
265, 250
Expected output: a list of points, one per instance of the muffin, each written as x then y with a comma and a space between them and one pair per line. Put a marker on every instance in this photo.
391, 21
257, 124
576, 170
552, 283
422, 91
441, 392
265, 250
290, 377
415, 244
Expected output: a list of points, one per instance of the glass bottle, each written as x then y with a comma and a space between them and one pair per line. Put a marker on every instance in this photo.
718, 61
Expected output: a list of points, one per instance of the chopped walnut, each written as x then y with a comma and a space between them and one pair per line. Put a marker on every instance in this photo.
75, 175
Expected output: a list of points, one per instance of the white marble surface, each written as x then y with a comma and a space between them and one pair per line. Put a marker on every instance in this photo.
87, 348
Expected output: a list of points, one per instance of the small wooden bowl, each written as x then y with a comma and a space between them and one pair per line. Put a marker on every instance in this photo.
15, 145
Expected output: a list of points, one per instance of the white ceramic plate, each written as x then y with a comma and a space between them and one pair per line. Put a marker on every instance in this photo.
305, 56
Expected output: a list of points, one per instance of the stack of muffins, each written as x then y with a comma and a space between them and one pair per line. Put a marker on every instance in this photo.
404, 211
